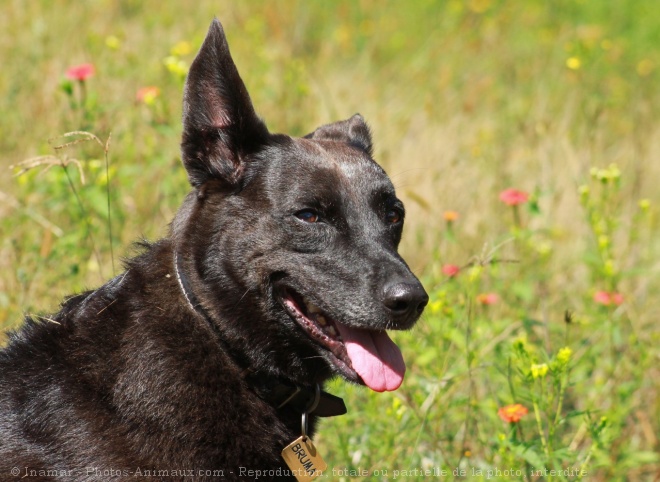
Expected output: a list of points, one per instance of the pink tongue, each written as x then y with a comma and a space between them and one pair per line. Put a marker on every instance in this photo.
374, 357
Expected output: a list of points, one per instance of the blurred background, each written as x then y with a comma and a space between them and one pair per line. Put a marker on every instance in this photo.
466, 99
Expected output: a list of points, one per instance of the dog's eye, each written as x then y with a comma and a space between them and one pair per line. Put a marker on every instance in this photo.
308, 215
393, 216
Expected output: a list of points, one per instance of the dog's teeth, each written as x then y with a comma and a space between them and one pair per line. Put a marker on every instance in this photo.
321, 319
332, 331
312, 308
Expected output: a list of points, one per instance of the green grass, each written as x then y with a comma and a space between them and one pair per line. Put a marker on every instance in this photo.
465, 98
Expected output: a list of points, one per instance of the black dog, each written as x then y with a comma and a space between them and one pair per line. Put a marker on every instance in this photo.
280, 272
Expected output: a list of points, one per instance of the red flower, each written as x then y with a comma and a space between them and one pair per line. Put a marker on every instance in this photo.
513, 197
512, 413
80, 72
605, 298
488, 298
450, 270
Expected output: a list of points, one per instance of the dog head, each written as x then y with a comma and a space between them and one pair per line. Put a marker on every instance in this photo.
290, 244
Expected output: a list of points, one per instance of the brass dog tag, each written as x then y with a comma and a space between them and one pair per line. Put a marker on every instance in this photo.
303, 459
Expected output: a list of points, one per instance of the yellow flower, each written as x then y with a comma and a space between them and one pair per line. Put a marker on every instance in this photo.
644, 204
573, 63
112, 42
564, 355
435, 306
181, 48
539, 371
544, 248
613, 171
176, 65
609, 174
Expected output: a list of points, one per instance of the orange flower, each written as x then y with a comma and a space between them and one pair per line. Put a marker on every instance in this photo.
450, 270
80, 72
513, 197
512, 413
488, 298
450, 216
147, 95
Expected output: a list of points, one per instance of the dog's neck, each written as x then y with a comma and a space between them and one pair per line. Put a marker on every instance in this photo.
277, 392
186, 289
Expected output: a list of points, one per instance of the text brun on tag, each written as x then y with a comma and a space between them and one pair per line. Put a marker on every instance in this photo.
303, 459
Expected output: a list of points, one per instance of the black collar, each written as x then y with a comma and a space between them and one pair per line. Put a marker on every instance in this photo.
277, 392
281, 393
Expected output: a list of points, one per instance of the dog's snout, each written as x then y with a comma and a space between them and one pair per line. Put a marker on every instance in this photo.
405, 300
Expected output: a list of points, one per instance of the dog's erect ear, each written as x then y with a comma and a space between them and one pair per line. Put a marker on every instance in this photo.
353, 131
220, 126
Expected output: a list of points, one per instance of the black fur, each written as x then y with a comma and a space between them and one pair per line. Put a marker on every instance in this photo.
155, 369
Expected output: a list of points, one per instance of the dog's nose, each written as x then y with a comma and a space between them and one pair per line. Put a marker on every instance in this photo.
405, 300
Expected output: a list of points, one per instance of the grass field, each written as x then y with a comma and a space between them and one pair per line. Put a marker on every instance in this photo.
548, 303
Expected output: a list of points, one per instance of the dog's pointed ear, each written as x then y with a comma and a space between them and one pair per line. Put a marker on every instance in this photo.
220, 126
353, 131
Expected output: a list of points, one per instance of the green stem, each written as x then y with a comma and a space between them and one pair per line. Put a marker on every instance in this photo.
468, 353
107, 192
560, 402
544, 443
85, 217
516, 215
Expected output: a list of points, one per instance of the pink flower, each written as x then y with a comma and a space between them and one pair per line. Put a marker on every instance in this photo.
602, 297
80, 72
488, 298
605, 298
617, 298
513, 197
450, 270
